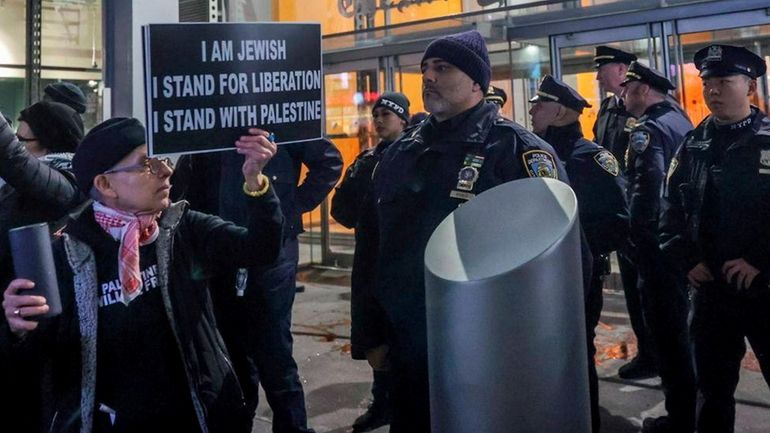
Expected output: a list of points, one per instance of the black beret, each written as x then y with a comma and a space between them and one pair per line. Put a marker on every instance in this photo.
104, 146
724, 60
395, 102
553, 90
467, 51
68, 94
605, 54
57, 127
496, 95
653, 77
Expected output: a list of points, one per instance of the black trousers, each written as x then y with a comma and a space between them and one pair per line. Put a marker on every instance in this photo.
720, 322
256, 329
594, 303
630, 278
665, 305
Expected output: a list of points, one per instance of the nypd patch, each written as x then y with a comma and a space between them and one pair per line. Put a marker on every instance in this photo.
639, 140
607, 161
540, 163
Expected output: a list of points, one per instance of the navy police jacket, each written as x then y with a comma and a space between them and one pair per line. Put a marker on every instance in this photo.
594, 174
613, 123
425, 175
655, 137
717, 195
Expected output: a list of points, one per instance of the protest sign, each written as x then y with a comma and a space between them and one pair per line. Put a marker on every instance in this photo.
206, 84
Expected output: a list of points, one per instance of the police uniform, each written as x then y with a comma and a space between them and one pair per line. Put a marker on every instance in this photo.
595, 177
719, 210
613, 122
424, 176
611, 129
652, 143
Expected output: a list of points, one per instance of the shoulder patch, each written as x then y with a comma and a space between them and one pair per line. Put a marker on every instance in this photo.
607, 161
639, 140
540, 163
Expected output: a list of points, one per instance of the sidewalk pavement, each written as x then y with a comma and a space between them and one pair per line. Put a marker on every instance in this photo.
337, 388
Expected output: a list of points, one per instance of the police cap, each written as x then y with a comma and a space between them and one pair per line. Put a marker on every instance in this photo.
605, 54
724, 60
553, 90
652, 77
496, 95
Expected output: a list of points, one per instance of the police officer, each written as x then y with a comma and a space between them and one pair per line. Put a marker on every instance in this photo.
255, 319
718, 227
462, 149
613, 123
594, 175
657, 133
390, 115
497, 96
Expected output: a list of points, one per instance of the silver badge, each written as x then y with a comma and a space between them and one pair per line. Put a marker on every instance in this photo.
764, 157
714, 54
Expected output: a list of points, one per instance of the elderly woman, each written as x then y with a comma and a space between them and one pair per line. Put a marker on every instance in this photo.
36, 185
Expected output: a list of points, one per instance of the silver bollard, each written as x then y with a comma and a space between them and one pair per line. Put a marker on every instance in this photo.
505, 314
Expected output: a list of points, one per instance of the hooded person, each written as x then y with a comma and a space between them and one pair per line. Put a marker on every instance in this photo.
132, 273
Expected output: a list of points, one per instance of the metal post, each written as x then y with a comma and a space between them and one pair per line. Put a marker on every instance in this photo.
34, 40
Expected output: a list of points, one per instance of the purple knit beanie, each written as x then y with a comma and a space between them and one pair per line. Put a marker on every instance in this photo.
467, 51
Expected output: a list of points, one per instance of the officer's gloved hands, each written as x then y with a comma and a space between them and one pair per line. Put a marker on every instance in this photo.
739, 273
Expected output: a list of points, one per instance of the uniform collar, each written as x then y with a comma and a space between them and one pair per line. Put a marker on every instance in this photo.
562, 138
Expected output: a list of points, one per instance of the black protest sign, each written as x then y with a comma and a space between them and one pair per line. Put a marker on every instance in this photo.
206, 84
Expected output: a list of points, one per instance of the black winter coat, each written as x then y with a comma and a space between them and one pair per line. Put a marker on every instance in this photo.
718, 197
189, 245
613, 124
594, 174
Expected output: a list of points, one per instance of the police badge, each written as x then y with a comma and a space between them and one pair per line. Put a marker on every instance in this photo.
639, 140
764, 157
714, 54
540, 163
466, 178
607, 161
630, 123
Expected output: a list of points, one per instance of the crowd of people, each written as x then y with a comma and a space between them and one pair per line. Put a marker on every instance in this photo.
177, 280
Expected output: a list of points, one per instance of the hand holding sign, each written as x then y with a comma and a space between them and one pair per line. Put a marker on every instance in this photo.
258, 149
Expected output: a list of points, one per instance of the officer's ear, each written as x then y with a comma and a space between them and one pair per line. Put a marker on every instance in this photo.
752, 86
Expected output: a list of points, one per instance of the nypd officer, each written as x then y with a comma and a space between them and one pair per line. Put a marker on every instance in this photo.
718, 226
462, 149
594, 175
613, 123
497, 96
658, 131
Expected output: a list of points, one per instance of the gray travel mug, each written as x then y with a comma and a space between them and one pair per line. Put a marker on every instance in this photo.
33, 260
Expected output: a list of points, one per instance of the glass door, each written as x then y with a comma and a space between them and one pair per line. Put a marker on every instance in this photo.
749, 29
573, 60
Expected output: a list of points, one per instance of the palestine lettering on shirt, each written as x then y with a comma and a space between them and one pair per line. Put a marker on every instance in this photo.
140, 376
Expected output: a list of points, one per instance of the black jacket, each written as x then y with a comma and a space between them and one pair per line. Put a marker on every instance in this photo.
189, 245
416, 186
652, 143
717, 196
36, 190
613, 124
349, 209
212, 182
594, 174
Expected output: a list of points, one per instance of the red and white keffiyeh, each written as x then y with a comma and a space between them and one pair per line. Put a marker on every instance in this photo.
132, 231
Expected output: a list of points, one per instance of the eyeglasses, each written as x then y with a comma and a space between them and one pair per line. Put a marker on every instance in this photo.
25, 139
153, 165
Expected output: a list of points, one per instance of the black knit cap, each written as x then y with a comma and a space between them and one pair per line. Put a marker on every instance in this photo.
104, 146
67, 93
725, 60
652, 77
605, 54
396, 102
554, 90
496, 95
467, 51
57, 127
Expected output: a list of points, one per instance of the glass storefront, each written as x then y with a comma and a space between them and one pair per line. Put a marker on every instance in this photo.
70, 41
